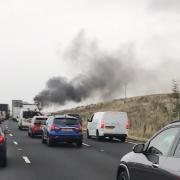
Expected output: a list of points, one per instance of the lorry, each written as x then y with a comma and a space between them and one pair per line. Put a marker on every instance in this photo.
4, 112
16, 109
27, 112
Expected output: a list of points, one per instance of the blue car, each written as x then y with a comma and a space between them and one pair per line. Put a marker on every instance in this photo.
62, 128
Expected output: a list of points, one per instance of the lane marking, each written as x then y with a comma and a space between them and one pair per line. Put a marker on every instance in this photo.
16, 143
26, 159
102, 150
11, 135
131, 143
19, 149
86, 144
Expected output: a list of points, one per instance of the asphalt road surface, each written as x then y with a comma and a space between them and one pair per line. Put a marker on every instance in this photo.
29, 159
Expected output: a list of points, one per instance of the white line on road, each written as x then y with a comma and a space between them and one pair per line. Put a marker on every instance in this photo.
26, 159
86, 144
16, 143
11, 135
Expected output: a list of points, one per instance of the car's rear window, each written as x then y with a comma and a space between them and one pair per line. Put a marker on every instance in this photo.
66, 121
40, 120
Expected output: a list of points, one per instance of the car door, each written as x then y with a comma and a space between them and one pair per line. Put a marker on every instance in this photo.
172, 163
90, 125
150, 164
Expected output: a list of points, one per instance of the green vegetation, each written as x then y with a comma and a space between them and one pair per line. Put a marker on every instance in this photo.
147, 114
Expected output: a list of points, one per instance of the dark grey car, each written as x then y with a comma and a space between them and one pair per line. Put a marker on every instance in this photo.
3, 149
158, 159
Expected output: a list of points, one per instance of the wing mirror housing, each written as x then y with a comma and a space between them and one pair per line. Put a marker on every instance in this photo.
139, 148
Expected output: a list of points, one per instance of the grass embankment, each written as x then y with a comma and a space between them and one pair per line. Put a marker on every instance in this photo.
147, 114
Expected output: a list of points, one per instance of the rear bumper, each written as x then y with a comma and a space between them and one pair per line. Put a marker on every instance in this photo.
66, 138
116, 135
39, 132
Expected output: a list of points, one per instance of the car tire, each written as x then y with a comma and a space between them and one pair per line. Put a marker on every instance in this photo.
20, 128
49, 142
123, 139
98, 138
32, 135
123, 176
43, 140
88, 136
4, 161
79, 144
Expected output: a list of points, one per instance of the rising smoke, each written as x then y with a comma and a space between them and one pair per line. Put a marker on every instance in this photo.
103, 74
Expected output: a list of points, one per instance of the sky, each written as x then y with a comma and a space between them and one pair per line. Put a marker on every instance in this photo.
36, 35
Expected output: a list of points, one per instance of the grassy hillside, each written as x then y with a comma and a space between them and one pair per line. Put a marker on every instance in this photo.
147, 114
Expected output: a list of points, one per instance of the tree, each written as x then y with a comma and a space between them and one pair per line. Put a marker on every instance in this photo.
176, 96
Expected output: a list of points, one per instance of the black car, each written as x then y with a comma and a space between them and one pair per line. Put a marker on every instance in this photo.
3, 151
158, 159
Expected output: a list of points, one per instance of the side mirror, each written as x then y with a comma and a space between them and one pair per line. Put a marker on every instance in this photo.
139, 148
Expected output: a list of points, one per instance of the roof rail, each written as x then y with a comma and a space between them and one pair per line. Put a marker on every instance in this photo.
175, 121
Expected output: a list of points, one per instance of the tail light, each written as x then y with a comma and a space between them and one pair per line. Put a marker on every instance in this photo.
2, 139
127, 125
102, 124
79, 129
54, 127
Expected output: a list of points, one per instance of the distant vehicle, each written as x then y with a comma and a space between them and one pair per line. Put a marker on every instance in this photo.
62, 128
4, 112
75, 115
36, 125
28, 111
3, 149
158, 159
17, 105
108, 124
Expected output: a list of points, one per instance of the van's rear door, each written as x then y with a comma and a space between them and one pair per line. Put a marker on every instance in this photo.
115, 122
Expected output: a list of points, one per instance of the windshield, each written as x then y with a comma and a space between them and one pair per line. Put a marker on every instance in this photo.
40, 121
66, 121
30, 114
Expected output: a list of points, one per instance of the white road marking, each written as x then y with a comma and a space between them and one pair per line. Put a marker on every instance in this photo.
11, 135
131, 143
86, 144
16, 143
102, 150
26, 159
19, 149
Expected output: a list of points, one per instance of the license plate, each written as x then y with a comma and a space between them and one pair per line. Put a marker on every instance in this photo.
66, 130
109, 127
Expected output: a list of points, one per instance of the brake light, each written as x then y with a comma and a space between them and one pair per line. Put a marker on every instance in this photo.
79, 128
54, 127
127, 125
102, 124
2, 139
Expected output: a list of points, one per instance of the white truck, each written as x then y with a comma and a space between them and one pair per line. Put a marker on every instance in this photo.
27, 112
16, 109
108, 124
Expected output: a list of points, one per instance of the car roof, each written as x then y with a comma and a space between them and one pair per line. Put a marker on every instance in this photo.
64, 116
174, 123
40, 117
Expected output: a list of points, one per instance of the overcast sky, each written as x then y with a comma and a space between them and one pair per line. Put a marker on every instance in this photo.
35, 34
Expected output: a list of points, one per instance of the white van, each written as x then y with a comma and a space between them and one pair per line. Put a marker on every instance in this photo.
108, 124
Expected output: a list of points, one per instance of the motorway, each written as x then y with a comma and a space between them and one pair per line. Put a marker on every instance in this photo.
29, 159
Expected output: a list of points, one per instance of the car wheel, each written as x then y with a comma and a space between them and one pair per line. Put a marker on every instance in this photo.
49, 142
43, 140
32, 135
4, 161
123, 139
79, 144
88, 136
20, 127
123, 176
97, 136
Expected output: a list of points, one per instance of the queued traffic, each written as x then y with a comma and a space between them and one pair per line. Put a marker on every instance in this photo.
158, 158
